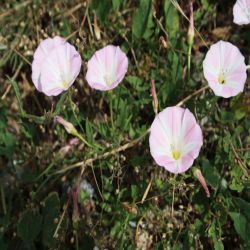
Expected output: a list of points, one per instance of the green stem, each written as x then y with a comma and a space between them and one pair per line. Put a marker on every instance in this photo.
189, 59
40, 187
78, 122
82, 139
172, 210
45, 171
73, 111
111, 112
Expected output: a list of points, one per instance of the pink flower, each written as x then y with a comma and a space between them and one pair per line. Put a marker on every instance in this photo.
175, 139
55, 66
241, 11
107, 68
225, 69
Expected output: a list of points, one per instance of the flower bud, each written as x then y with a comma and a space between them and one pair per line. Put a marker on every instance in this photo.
190, 36
96, 27
69, 127
199, 176
154, 96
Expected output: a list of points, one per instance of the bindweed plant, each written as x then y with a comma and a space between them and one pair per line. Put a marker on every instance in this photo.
124, 125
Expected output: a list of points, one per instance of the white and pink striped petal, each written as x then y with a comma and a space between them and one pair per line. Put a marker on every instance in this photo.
175, 139
225, 69
55, 66
241, 12
107, 68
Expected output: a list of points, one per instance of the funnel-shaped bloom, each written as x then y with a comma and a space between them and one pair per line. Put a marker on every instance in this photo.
55, 66
107, 68
241, 11
225, 69
175, 139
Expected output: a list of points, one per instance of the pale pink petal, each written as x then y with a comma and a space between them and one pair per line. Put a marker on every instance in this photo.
217, 88
226, 92
107, 68
75, 65
46, 46
237, 82
175, 137
193, 141
191, 134
164, 161
211, 62
186, 162
43, 50
172, 167
174, 117
55, 67
224, 61
241, 12
161, 141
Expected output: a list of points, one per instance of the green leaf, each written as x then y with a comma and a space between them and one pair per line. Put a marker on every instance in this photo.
102, 8
176, 69
141, 19
3, 119
211, 174
115, 229
117, 3
29, 226
226, 117
51, 211
236, 180
214, 233
241, 225
34, 118
89, 131
9, 142
18, 95
60, 103
134, 192
137, 83
122, 115
171, 19
243, 206
5, 57
30, 130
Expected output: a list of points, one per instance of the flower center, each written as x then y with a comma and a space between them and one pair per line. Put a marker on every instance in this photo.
176, 154
108, 79
221, 79
65, 84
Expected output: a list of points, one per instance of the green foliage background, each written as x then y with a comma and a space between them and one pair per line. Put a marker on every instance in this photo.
36, 178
